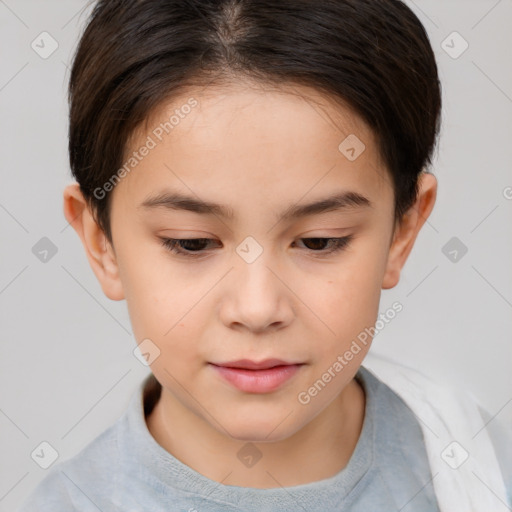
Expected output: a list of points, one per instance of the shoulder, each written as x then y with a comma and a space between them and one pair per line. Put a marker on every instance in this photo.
80, 482
500, 434
465, 452
51, 494
398, 443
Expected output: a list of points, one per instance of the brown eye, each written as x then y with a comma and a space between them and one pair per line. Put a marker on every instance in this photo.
319, 244
191, 247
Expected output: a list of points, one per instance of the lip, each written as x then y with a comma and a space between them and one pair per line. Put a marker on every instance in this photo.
263, 380
247, 364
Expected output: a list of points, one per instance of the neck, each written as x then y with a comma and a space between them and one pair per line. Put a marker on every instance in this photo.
318, 451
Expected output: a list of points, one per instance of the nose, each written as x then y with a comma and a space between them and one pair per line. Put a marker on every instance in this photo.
257, 298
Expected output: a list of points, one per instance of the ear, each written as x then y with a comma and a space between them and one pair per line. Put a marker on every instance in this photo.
98, 249
407, 229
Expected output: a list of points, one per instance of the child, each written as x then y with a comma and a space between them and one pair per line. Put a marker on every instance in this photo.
251, 174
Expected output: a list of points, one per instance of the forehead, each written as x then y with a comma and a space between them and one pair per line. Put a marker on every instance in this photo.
244, 141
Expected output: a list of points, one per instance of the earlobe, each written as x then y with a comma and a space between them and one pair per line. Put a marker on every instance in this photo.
98, 249
407, 230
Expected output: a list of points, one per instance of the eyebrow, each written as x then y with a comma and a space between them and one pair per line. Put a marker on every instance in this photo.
170, 200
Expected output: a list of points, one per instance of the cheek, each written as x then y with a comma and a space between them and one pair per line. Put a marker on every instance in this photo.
148, 276
346, 298
150, 288
165, 307
162, 310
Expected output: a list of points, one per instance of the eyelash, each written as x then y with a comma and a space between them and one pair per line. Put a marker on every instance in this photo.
173, 245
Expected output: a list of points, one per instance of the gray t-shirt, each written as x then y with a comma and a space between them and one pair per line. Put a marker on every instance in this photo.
125, 469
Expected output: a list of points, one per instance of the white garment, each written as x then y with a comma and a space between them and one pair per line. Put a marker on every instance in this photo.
466, 473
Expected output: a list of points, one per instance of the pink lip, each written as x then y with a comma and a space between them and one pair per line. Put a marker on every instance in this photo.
258, 381
247, 364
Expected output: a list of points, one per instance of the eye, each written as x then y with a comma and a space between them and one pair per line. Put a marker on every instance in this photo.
190, 247
195, 247
336, 244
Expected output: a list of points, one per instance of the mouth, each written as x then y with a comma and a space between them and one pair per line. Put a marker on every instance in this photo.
247, 364
257, 377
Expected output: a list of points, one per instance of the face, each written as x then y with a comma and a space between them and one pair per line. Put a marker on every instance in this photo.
257, 276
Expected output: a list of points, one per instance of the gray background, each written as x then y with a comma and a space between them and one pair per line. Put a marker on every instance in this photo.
67, 368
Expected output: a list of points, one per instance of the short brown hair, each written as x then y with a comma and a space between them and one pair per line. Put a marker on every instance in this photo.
374, 55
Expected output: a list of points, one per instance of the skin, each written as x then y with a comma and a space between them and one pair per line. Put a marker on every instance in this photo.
257, 150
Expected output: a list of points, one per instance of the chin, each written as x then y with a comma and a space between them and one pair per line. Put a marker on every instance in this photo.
260, 428
257, 436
